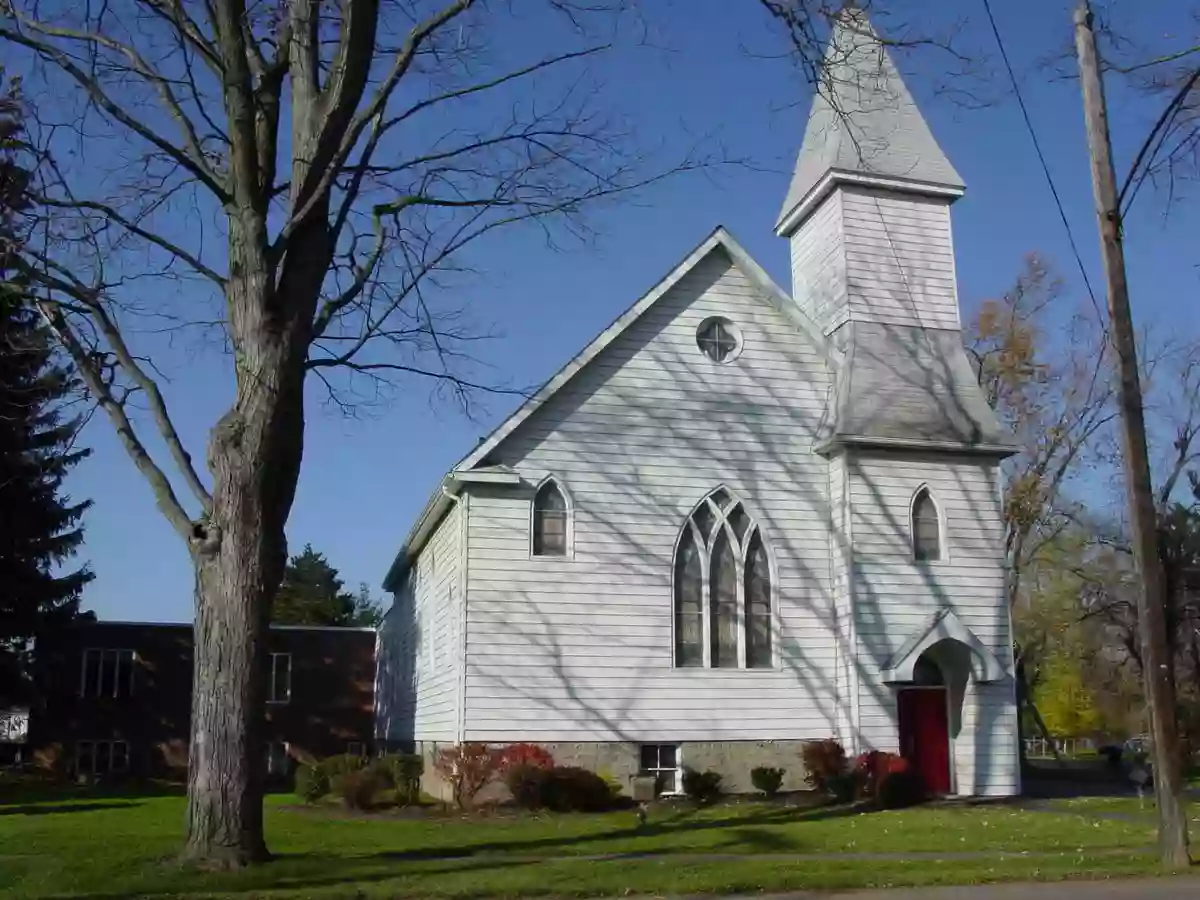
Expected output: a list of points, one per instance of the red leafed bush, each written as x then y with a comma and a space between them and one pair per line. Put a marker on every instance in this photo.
823, 760
515, 755
873, 767
468, 769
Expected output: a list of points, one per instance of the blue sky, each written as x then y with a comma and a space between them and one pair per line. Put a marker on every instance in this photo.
711, 68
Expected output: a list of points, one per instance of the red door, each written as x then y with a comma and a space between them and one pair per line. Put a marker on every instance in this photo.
925, 735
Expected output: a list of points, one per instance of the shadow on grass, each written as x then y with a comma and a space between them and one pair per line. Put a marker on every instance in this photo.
681, 823
316, 872
45, 809
29, 792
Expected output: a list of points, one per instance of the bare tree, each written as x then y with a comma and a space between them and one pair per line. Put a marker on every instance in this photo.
343, 155
1056, 398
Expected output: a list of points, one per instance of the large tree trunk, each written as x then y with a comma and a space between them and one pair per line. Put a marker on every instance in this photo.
254, 456
224, 816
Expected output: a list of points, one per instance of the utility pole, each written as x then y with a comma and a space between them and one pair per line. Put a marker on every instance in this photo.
1157, 662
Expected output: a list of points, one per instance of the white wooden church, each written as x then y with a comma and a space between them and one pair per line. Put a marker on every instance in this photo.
740, 519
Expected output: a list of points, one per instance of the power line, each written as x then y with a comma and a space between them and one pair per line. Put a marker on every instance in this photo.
1037, 145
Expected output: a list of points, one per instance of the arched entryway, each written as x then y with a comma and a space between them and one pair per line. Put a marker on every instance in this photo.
924, 713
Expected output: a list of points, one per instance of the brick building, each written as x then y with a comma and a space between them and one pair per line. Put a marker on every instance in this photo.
115, 698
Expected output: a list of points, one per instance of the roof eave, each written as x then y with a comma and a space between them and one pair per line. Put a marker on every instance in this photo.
836, 442
789, 221
437, 506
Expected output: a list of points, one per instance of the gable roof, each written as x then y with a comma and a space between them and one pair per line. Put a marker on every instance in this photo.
718, 239
473, 464
942, 625
864, 121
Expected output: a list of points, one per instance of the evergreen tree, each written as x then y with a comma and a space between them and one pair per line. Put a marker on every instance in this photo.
312, 594
40, 528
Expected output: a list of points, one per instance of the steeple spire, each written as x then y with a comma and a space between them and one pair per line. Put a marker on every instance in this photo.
863, 123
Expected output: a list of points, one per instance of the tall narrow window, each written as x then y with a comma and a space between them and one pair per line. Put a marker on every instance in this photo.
926, 537
758, 605
689, 603
107, 672
549, 521
724, 601
722, 588
279, 689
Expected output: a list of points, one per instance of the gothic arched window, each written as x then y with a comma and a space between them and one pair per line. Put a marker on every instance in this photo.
723, 591
926, 528
549, 520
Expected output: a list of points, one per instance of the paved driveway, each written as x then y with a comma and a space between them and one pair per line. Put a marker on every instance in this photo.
1148, 889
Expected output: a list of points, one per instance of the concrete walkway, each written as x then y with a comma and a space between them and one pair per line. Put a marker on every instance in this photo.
1141, 889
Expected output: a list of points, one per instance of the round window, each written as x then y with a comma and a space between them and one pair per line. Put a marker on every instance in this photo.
719, 339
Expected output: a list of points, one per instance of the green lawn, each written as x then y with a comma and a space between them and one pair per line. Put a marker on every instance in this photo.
117, 847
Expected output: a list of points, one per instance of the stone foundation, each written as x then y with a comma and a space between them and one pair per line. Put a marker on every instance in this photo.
733, 759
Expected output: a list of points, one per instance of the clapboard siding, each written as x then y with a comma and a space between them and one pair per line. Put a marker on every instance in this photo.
899, 258
840, 564
582, 648
421, 644
819, 265
894, 595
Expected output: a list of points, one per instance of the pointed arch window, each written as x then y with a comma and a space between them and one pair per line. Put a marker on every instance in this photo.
723, 588
926, 528
550, 520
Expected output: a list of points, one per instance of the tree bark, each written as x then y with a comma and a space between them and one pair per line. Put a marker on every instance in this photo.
254, 456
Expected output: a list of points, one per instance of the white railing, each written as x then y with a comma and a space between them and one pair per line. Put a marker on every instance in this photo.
1037, 747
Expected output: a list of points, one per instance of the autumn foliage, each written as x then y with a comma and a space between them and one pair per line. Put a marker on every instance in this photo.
468, 769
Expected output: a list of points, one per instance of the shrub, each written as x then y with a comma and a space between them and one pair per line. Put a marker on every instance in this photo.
768, 780
403, 772
873, 767
528, 785
468, 769
901, 789
823, 760
703, 787
843, 788
340, 764
311, 784
616, 789
1113, 754
357, 789
524, 755
574, 789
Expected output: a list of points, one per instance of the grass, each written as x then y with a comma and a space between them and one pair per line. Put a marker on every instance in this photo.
118, 847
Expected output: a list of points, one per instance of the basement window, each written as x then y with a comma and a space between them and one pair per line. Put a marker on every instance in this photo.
661, 761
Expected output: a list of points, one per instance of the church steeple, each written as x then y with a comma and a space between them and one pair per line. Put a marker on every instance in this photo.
863, 126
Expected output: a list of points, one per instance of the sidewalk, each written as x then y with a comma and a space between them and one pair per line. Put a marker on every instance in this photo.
1142, 889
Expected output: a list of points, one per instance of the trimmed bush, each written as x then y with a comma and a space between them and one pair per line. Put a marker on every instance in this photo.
873, 767
357, 789
899, 790
843, 788
311, 784
703, 787
574, 789
767, 779
340, 764
515, 755
616, 790
403, 773
528, 785
468, 769
823, 760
